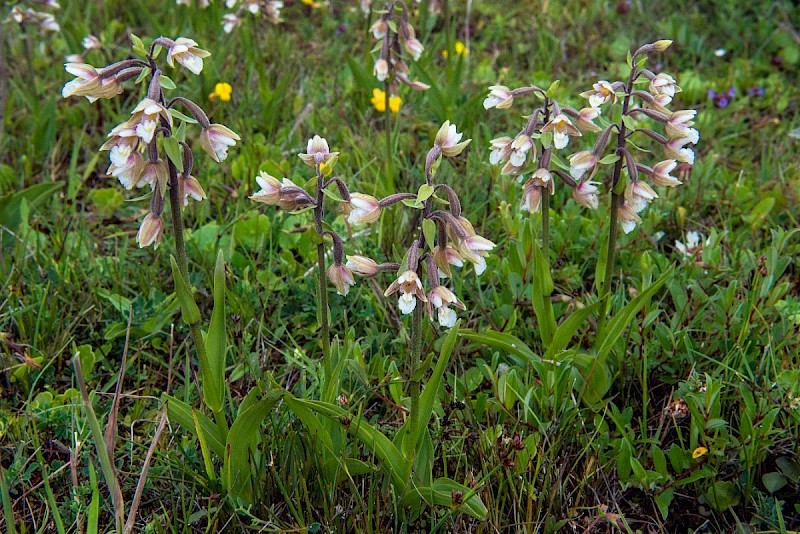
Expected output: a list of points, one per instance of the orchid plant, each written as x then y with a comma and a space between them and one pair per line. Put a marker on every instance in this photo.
446, 239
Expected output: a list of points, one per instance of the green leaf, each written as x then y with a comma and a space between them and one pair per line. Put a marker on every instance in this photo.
613, 330
142, 75
180, 116
505, 342
166, 82
216, 342
609, 159
567, 329
441, 494
629, 123
189, 310
663, 500
11, 213
391, 457
551, 91
429, 231
242, 436
425, 192
541, 289
722, 495
774, 481
594, 376
173, 150
201, 437
660, 462
427, 399
183, 414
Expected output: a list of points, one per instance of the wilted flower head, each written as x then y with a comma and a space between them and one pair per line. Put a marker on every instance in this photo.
362, 209
216, 140
317, 152
500, 97
600, 93
341, 277
410, 287
185, 52
150, 231
562, 128
447, 138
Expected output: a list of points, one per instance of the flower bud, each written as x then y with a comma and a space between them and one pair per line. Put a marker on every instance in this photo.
500, 97
150, 231
381, 69
363, 266
362, 209
270, 191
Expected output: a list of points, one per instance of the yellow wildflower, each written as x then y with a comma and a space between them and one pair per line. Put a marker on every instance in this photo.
460, 49
379, 101
222, 91
698, 452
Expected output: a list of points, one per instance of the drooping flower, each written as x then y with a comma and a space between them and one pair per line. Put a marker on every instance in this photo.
230, 21
501, 150
216, 140
156, 175
586, 117
664, 84
192, 189
449, 140
519, 150
317, 152
580, 162
362, 209
540, 180
676, 149
410, 287
379, 29
600, 93
441, 299
90, 42
661, 174
444, 258
472, 247
127, 163
638, 194
150, 231
562, 128
679, 126
500, 97
270, 192
341, 277
585, 194
381, 69
414, 47
628, 219
88, 82
185, 52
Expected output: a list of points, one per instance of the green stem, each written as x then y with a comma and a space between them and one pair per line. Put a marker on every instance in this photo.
175, 203
546, 224
413, 364
322, 288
